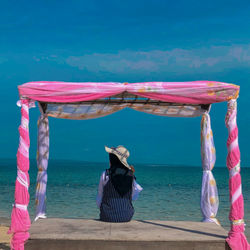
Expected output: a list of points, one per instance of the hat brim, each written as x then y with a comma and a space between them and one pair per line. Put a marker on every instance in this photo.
122, 160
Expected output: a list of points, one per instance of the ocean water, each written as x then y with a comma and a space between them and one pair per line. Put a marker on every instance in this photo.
170, 192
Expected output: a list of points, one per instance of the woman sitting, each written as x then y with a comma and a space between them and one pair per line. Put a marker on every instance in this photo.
117, 188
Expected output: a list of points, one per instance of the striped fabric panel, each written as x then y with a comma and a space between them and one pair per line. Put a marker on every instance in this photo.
115, 208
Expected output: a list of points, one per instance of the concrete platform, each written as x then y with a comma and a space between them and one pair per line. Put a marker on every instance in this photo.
93, 234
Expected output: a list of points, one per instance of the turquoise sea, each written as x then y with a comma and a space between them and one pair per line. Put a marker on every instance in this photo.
170, 192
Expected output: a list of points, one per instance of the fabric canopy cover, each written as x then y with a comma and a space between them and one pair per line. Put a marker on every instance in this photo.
197, 92
62, 97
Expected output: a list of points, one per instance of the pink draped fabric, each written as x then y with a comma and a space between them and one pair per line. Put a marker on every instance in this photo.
20, 220
196, 92
236, 237
68, 91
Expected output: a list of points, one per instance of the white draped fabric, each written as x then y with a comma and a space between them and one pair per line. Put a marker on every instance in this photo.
95, 110
209, 193
42, 164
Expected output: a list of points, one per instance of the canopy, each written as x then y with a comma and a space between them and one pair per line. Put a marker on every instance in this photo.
196, 92
87, 100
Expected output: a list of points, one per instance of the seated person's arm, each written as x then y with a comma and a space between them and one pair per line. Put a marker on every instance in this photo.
136, 190
103, 181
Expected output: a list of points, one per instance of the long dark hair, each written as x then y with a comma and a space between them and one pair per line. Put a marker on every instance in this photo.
121, 176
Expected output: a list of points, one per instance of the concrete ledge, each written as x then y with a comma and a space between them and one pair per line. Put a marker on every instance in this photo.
143, 235
122, 245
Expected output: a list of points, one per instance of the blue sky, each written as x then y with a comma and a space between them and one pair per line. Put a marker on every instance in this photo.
125, 41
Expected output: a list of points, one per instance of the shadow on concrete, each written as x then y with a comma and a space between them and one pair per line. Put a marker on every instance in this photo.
4, 246
183, 229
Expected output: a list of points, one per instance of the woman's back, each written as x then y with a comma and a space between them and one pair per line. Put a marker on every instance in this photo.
116, 207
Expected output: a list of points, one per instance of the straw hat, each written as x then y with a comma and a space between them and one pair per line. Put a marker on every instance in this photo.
121, 152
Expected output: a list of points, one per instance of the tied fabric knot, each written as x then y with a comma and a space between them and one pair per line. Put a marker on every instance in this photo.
31, 103
20, 206
207, 171
238, 222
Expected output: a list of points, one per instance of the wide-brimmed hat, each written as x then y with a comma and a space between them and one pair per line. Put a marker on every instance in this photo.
121, 152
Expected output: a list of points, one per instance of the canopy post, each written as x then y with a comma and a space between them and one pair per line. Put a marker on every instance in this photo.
42, 164
209, 195
20, 220
236, 237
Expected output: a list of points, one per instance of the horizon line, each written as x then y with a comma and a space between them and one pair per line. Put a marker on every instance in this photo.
139, 163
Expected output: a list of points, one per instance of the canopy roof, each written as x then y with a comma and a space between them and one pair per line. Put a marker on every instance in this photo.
195, 92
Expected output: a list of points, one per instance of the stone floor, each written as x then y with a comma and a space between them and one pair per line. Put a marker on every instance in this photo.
93, 234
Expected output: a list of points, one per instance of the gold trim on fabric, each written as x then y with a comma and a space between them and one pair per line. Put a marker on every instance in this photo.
238, 222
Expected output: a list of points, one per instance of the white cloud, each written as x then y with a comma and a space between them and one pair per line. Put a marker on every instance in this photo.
212, 59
